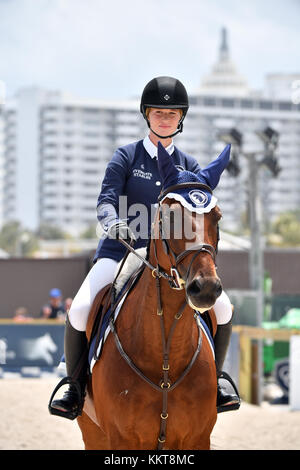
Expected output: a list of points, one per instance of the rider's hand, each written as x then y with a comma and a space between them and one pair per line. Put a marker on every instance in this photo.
121, 231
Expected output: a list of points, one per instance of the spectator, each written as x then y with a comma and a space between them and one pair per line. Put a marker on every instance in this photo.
54, 309
21, 315
68, 303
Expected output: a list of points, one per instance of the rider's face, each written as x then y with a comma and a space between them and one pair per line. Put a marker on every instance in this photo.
164, 121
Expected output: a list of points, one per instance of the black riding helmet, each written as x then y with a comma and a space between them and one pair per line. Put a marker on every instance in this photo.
168, 93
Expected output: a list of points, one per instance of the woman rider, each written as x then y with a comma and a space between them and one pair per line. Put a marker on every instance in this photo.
133, 172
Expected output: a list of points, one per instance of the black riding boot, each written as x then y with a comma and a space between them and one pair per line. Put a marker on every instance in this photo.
227, 394
75, 346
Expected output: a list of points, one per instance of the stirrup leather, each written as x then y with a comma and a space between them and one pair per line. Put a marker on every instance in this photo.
67, 414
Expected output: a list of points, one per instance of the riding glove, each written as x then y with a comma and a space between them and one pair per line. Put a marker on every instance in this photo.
121, 231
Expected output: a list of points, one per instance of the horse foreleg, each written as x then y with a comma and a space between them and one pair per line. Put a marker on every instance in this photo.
92, 435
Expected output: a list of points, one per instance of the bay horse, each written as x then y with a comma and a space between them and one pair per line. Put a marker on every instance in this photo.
155, 384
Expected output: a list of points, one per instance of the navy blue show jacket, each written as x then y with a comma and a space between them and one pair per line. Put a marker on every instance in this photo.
133, 173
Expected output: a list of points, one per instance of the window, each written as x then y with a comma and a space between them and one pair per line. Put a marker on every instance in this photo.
247, 104
285, 106
265, 104
227, 102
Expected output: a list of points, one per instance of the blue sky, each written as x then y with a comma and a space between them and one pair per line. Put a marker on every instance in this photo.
111, 49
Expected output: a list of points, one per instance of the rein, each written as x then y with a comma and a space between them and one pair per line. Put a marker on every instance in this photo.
175, 282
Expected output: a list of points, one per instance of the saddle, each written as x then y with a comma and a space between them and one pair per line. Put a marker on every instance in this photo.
99, 307
210, 320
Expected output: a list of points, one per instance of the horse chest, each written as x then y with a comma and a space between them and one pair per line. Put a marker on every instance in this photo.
134, 408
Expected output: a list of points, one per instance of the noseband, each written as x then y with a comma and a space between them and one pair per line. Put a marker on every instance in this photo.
176, 281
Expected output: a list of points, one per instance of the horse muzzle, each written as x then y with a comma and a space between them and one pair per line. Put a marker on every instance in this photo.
202, 293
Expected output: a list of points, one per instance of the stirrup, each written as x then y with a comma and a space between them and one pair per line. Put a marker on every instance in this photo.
67, 414
232, 406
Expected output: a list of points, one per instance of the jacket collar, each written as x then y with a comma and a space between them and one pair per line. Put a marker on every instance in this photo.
151, 149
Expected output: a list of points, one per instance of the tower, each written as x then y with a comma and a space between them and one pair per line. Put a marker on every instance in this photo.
224, 79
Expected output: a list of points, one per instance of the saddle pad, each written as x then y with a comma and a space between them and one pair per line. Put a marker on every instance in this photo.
104, 332
206, 331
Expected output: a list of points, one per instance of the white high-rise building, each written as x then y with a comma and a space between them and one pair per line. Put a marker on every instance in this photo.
56, 147
283, 86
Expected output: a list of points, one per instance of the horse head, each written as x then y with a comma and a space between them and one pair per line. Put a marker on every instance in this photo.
186, 227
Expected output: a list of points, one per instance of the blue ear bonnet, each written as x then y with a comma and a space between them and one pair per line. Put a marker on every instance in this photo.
184, 176
197, 199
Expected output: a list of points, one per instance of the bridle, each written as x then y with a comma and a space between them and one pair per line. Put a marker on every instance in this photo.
176, 282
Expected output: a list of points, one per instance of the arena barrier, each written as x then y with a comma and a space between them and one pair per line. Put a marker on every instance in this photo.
30, 348
250, 362
36, 347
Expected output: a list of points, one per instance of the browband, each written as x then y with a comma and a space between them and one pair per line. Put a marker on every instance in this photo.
184, 185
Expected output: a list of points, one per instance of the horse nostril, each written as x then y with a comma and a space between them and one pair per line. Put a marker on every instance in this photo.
194, 288
200, 287
219, 288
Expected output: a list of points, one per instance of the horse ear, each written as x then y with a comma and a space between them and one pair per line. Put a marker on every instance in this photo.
213, 171
166, 167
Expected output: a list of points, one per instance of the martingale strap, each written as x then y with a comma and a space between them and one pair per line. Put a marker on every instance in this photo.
140, 373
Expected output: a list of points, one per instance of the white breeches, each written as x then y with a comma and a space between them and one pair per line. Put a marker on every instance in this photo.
103, 273
223, 309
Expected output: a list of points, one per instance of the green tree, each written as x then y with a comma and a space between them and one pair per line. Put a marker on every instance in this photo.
89, 232
28, 243
16, 240
50, 232
9, 237
287, 228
